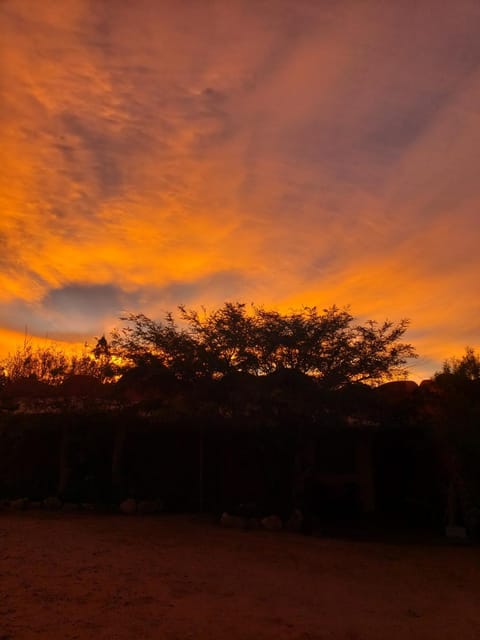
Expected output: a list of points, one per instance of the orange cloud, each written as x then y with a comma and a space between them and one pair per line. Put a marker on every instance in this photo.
153, 154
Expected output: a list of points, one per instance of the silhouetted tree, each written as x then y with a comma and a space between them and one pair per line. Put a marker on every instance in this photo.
106, 368
329, 347
46, 364
53, 366
233, 339
467, 367
456, 425
146, 343
225, 339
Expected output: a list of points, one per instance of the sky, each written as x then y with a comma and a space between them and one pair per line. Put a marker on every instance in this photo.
282, 152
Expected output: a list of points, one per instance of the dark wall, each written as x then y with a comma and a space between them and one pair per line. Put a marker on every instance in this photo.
213, 466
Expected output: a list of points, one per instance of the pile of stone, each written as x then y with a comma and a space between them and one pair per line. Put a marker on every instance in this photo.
270, 522
130, 507
52, 503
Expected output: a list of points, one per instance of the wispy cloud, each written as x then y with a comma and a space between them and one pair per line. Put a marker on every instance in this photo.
283, 152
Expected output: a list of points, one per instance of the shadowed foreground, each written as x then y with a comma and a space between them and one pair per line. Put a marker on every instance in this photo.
85, 576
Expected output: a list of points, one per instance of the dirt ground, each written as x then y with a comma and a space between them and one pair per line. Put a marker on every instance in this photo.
88, 576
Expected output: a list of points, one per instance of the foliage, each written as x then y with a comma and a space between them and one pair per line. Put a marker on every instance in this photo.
106, 369
467, 367
146, 343
257, 341
52, 365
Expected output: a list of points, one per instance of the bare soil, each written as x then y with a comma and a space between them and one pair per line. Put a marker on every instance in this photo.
88, 576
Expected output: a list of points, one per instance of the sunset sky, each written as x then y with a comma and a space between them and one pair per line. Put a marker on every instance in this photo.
285, 152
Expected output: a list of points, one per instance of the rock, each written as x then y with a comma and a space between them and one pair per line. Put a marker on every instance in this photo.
53, 503
146, 507
88, 506
272, 523
398, 387
430, 386
28, 388
397, 391
19, 504
233, 522
35, 504
81, 386
129, 506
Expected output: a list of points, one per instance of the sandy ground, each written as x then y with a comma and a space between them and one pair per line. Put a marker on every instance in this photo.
82, 576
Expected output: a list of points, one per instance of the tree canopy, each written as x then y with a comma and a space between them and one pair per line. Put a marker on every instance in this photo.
53, 365
467, 367
234, 338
